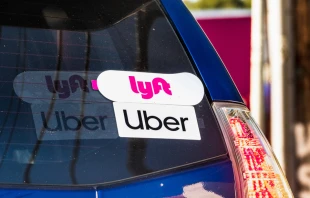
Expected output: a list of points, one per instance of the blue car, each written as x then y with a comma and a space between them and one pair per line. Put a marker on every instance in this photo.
122, 98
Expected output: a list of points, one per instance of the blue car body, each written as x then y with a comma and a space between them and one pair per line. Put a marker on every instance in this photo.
215, 175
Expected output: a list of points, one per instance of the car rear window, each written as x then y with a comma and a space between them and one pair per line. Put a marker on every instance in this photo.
49, 53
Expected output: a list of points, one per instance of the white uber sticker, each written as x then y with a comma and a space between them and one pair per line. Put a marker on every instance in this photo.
140, 87
156, 121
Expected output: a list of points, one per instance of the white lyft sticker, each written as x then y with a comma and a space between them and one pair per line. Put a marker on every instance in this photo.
156, 121
37, 87
141, 87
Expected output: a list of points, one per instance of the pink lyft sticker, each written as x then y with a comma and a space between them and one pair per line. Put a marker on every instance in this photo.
94, 85
141, 87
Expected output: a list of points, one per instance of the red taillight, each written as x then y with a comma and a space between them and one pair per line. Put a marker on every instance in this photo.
257, 172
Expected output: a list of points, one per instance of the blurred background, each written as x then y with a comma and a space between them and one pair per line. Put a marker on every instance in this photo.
265, 45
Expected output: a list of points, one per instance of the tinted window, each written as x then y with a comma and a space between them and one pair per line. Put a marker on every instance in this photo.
54, 128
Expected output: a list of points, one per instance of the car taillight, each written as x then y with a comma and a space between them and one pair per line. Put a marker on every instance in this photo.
257, 172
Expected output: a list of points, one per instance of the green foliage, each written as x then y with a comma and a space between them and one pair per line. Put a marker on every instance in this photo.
217, 4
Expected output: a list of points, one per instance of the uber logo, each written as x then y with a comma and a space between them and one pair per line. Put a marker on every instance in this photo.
65, 120
91, 123
168, 121
156, 121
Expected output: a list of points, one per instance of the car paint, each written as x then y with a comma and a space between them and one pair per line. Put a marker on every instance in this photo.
216, 177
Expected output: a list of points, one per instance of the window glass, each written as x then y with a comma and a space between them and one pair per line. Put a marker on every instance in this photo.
54, 128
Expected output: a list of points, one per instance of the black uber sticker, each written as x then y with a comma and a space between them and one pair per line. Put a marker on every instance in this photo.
65, 120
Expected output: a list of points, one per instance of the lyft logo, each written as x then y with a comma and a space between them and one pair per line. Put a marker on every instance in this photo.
65, 87
143, 87
37, 87
148, 89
